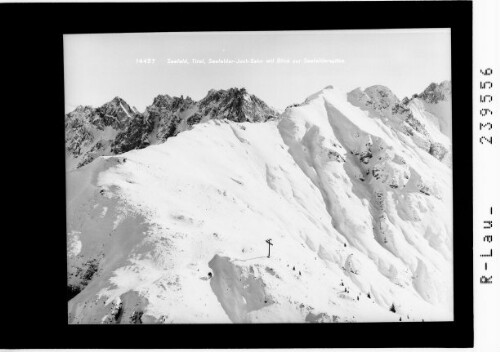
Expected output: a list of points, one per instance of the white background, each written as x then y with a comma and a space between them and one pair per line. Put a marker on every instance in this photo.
486, 170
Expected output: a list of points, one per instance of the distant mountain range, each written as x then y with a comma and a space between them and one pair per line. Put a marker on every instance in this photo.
115, 127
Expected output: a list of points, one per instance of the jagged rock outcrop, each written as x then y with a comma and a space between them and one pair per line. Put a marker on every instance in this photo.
90, 132
408, 116
236, 105
116, 113
435, 93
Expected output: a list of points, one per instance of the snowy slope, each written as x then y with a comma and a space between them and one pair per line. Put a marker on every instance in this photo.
359, 213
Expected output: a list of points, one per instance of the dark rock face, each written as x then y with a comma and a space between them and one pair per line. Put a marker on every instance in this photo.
80, 276
78, 129
194, 119
116, 128
236, 105
71, 291
116, 113
168, 114
416, 124
85, 128
435, 93
136, 317
134, 136
438, 151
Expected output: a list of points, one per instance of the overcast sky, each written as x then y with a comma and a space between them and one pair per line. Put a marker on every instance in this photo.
98, 67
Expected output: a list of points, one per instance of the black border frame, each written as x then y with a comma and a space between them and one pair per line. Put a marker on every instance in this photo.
36, 310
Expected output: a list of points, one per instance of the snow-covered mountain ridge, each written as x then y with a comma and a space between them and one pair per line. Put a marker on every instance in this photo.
115, 127
357, 204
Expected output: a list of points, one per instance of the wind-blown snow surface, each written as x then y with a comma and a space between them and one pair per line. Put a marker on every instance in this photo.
359, 214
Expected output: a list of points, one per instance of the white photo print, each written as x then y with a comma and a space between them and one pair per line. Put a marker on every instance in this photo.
259, 177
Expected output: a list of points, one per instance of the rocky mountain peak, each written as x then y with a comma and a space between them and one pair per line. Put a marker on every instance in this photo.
236, 104
381, 96
223, 96
162, 100
171, 103
115, 104
378, 98
115, 113
82, 109
435, 93
117, 100
382, 103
